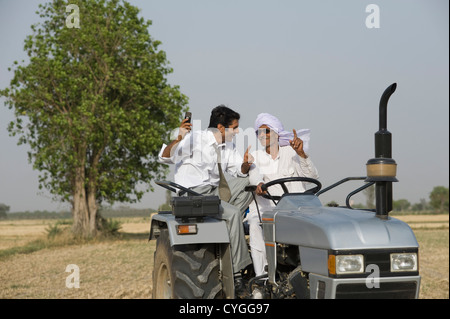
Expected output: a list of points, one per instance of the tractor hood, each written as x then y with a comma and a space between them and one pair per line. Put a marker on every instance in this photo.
302, 220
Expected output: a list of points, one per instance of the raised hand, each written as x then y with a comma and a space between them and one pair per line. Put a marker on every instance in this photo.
185, 128
248, 160
297, 144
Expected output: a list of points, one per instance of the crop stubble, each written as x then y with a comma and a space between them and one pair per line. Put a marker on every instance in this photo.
123, 268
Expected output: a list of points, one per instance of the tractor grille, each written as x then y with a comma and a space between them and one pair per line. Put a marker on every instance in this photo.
387, 290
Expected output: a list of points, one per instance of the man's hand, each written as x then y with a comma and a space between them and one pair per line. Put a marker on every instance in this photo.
297, 145
259, 190
182, 131
185, 128
248, 160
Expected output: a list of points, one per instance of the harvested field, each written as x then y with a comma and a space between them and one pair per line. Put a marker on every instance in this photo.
119, 268
122, 268
19, 232
107, 270
425, 221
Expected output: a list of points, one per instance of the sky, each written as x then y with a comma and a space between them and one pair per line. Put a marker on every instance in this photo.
321, 65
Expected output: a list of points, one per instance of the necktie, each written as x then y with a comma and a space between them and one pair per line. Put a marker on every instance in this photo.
224, 189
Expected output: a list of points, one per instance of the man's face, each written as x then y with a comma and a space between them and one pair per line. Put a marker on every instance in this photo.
230, 131
266, 136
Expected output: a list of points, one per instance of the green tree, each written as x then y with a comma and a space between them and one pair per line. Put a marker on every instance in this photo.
422, 205
439, 198
401, 204
3, 210
93, 104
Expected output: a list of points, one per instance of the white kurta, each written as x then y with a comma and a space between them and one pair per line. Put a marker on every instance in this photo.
195, 160
266, 169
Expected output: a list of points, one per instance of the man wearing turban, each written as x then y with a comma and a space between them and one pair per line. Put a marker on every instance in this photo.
283, 155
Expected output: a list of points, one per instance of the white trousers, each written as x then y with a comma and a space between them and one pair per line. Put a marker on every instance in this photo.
257, 245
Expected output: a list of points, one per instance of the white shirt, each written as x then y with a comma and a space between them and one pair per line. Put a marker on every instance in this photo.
195, 160
287, 164
265, 169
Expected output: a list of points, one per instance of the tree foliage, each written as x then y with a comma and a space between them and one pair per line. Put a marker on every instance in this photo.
94, 105
439, 198
3, 210
401, 205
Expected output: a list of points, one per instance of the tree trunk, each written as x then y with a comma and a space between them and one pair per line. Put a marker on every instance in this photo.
86, 221
94, 222
84, 207
80, 211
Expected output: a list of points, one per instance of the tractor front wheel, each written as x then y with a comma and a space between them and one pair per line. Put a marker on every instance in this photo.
185, 271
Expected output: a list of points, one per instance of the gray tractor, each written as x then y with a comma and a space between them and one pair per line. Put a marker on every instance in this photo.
313, 251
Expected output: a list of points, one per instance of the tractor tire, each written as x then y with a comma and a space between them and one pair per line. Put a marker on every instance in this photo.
185, 271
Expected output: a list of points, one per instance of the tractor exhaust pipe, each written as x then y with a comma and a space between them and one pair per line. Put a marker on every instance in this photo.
382, 169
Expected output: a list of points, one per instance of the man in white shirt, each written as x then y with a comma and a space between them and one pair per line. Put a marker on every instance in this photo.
200, 158
283, 155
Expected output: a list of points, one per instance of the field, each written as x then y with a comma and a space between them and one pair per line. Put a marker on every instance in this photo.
31, 267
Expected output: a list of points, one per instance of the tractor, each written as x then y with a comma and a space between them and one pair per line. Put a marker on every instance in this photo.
313, 251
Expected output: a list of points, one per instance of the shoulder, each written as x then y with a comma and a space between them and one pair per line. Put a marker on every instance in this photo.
205, 136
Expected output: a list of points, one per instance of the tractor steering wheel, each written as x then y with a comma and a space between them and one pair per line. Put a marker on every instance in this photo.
282, 181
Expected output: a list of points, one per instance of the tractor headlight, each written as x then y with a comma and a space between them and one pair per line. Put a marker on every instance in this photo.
349, 264
404, 262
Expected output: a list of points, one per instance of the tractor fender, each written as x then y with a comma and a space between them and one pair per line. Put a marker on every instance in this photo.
209, 230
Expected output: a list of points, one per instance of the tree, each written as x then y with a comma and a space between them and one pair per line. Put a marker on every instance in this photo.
401, 205
333, 204
422, 205
439, 198
370, 196
166, 205
93, 104
3, 210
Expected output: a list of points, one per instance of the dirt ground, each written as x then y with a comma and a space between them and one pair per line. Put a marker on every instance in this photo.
123, 268
107, 270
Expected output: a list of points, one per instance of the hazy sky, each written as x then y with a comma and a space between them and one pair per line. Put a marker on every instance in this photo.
314, 64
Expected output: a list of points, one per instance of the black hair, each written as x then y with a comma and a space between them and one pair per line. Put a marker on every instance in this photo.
222, 115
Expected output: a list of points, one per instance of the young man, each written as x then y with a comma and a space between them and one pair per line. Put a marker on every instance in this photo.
201, 158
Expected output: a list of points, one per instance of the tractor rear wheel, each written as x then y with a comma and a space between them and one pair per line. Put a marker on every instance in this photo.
185, 271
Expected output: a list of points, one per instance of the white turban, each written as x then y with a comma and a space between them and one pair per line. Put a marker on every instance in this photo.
284, 136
